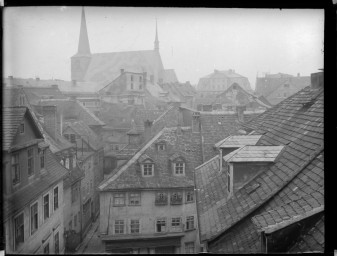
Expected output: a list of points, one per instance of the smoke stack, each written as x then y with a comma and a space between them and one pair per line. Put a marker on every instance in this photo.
122, 71
144, 79
147, 129
240, 110
298, 74
49, 116
196, 123
317, 80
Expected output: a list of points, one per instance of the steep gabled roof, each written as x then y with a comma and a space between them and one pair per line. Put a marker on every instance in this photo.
297, 122
238, 141
12, 117
169, 76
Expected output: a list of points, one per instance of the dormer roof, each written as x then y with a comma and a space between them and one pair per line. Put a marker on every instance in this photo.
235, 141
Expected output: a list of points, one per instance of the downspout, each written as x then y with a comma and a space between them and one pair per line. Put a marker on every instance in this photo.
264, 243
81, 211
107, 230
198, 216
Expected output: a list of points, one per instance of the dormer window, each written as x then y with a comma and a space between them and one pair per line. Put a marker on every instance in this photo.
176, 198
148, 169
161, 146
179, 168
22, 128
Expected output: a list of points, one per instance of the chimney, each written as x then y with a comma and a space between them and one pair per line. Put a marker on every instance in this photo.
188, 83
240, 110
317, 80
216, 71
298, 74
144, 80
122, 71
147, 129
37, 78
49, 116
196, 123
73, 97
55, 86
73, 82
152, 78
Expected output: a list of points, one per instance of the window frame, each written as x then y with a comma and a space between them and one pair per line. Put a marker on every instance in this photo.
189, 220
115, 204
16, 166
132, 197
229, 180
43, 205
58, 198
30, 161
42, 158
47, 245
57, 242
17, 245
134, 228
119, 226
161, 146
190, 192
176, 197
31, 231
22, 128
188, 248
181, 171
146, 165
163, 219
176, 218
161, 200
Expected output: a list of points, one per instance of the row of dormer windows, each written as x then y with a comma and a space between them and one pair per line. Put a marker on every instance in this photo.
178, 169
162, 198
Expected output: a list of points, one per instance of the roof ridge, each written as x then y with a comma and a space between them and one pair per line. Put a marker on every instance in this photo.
208, 161
130, 162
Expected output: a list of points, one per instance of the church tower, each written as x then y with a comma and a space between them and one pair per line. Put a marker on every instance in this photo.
81, 60
156, 41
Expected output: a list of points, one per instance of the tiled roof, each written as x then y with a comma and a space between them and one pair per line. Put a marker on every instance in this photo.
54, 173
184, 143
11, 96
297, 122
312, 241
238, 141
11, 119
58, 143
34, 94
179, 89
105, 67
254, 154
86, 134
72, 109
169, 76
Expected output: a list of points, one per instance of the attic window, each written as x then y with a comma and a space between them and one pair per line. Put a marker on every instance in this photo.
161, 146
179, 168
147, 168
22, 128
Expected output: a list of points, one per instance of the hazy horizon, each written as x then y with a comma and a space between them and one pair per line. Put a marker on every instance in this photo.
39, 41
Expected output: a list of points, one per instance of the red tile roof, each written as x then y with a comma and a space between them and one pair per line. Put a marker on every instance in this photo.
297, 123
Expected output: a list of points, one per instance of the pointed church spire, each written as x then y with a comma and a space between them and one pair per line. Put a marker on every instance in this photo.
83, 44
156, 42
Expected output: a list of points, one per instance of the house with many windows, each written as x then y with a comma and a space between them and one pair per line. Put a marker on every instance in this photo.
33, 187
148, 204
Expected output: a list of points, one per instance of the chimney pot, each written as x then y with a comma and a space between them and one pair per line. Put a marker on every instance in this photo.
10, 77
317, 80
298, 74
122, 71
37, 78
49, 116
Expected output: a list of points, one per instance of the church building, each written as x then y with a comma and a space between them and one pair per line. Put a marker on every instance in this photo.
102, 68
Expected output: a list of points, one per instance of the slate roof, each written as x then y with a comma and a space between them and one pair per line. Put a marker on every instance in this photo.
88, 135
169, 76
11, 119
238, 141
57, 144
105, 67
298, 173
254, 154
73, 109
74, 175
11, 96
54, 173
179, 89
129, 175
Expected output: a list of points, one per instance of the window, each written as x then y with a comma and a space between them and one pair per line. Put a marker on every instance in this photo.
228, 180
66, 136
33, 218
119, 199
189, 196
46, 207
176, 222
46, 249
57, 243
56, 198
134, 199
18, 231
160, 147
131, 86
74, 161
15, 169
161, 225
74, 194
72, 138
134, 227
116, 147
189, 222
176, 198
30, 153
42, 158
189, 248
161, 198
66, 165
119, 226
179, 168
70, 225
148, 169
22, 128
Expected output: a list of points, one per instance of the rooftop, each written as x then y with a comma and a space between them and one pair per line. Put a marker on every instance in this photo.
234, 141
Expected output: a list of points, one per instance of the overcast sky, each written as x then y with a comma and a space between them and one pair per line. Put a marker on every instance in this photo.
39, 41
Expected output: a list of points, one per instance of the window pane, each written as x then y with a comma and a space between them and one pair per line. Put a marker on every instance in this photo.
46, 207
134, 226
56, 198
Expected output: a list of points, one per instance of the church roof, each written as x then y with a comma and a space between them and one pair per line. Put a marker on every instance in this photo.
105, 67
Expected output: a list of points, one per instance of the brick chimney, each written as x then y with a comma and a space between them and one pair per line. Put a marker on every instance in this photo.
55, 86
49, 116
147, 129
317, 80
298, 74
144, 80
122, 71
239, 111
196, 123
